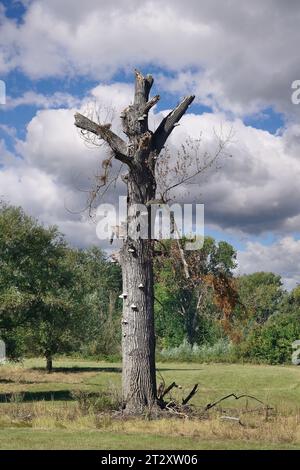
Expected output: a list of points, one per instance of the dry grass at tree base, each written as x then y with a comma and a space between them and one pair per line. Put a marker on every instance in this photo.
74, 400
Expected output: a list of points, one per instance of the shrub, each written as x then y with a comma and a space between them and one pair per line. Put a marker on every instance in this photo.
221, 351
272, 342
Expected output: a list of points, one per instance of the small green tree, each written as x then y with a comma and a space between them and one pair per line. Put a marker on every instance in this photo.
35, 284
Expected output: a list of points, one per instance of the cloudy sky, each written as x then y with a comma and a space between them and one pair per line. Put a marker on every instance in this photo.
239, 59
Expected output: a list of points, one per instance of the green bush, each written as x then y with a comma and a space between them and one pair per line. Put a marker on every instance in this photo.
272, 342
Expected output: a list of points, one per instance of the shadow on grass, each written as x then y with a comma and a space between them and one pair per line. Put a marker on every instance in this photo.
162, 369
51, 395
78, 370
118, 370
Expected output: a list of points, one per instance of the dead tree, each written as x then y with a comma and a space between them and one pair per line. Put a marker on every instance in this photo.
140, 155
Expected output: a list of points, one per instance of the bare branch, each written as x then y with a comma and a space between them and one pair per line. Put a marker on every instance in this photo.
190, 395
169, 122
237, 397
115, 142
151, 103
182, 166
169, 388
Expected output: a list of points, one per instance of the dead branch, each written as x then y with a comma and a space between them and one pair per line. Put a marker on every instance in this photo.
142, 87
169, 388
115, 142
237, 397
232, 418
190, 395
151, 103
173, 410
209, 161
168, 123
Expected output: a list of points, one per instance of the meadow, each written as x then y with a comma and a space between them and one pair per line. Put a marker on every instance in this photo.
55, 411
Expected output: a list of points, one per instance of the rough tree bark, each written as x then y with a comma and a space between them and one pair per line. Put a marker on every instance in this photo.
140, 154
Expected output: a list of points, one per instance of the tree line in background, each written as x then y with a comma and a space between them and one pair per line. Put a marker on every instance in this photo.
55, 299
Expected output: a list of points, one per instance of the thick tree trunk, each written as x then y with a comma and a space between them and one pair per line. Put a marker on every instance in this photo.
140, 154
138, 336
138, 340
49, 366
138, 344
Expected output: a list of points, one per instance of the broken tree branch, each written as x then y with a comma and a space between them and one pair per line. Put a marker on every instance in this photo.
190, 395
232, 418
169, 122
151, 103
169, 388
115, 142
142, 88
237, 397
176, 412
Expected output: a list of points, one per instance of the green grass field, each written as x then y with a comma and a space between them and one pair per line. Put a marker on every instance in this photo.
38, 411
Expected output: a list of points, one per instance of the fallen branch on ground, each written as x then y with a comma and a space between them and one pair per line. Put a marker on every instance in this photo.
237, 397
232, 418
